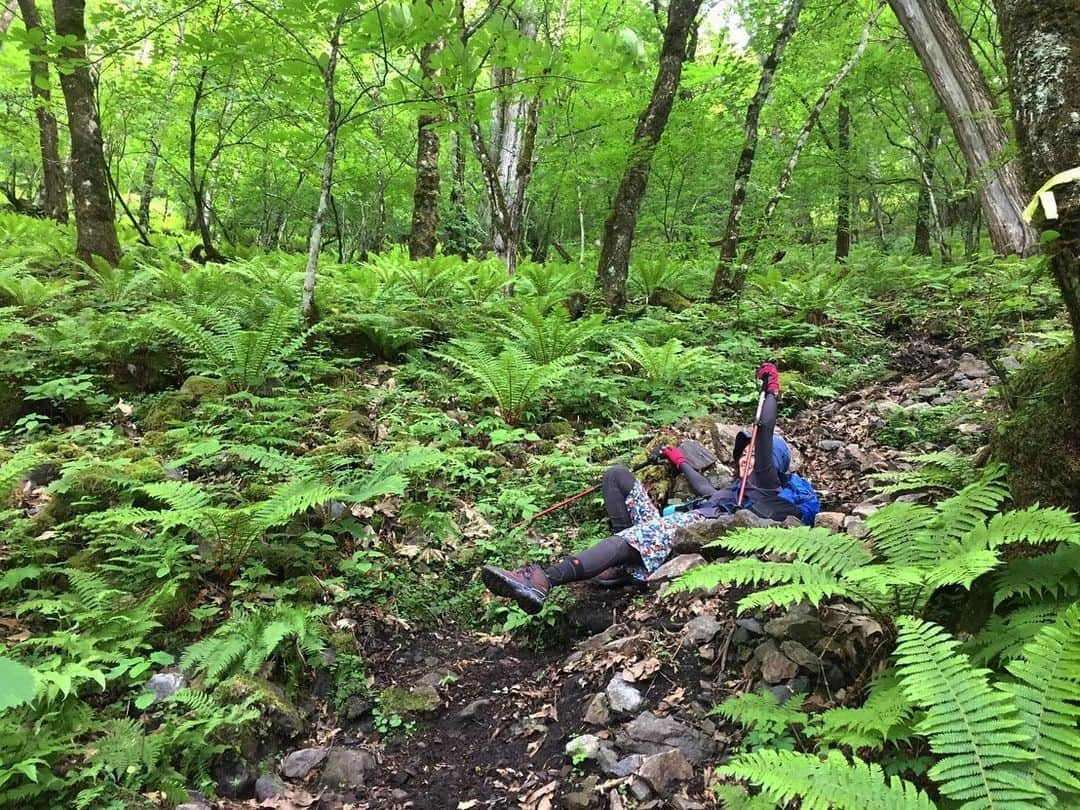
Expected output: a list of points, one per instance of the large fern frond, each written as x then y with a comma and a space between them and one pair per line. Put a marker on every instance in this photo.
1055, 575
829, 551
884, 717
1047, 694
974, 729
823, 783
1003, 637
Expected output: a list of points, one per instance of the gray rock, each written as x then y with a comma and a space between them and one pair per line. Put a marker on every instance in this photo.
346, 768
782, 692
193, 806
765, 648
661, 770
584, 746
856, 527
751, 625
944, 399
865, 509
598, 712
622, 697
269, 786
963, 383
973, 368
640, 789
701, 630
356, 707
833, 521
777, 667
693, 539
625, 766
744, 518
913, 497
800, 623
165, 684
676, 567
234, 779
299, 764
928, 393
649, 734
800, 655
470, 711
829, 445
682, 803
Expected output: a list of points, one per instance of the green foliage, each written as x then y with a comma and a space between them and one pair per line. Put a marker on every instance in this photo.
16, 684
975, 730
825, 782
662, 365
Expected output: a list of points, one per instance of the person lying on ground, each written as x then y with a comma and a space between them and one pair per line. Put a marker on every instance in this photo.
641, 537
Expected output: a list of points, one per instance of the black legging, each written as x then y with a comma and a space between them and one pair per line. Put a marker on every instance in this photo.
610, 552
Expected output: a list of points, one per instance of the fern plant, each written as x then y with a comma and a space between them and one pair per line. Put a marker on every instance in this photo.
662, 364
251, 636
916, 550
550, 335
511, 378
221, 347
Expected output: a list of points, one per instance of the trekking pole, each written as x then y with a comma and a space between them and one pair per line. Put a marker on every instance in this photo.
753, 439
580, 495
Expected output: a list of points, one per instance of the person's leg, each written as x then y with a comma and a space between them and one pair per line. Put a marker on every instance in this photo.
529, 586
765, 475
615, 486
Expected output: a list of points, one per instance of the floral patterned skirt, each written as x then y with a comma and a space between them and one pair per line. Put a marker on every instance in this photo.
652, 535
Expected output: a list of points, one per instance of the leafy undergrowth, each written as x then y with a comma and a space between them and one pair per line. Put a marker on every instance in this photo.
192, 480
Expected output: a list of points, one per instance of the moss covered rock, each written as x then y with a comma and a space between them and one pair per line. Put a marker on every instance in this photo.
204, 388
1040, 439
164, 410
279, 719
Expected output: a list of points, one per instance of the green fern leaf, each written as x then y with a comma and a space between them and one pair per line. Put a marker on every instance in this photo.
1055, 575
822, 783
1047, 693
974, 729
884, 717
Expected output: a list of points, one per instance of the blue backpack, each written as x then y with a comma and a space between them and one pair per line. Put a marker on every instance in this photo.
798, 491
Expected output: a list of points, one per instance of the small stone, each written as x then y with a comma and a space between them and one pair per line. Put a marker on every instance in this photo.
269, 786
751, 625
682, 803
299, 764
777, 667
640, 789
800, 655
622, 697
964, 383
676, 567
165, 684
661, 770
829, 445
625, 766
744, 518
973, 368
927, 393
865, 509
913, 497
399, 795
585, 746
701, 630
345, 769
944, 399
356, 707
856, 528
598, 712
649, 734
800, 623
833, 521
917, 407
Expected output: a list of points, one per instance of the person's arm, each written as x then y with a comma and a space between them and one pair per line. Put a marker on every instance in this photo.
698, 482
765, 472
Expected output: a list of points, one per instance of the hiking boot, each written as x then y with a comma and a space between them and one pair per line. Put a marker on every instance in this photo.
527, 586
614, 577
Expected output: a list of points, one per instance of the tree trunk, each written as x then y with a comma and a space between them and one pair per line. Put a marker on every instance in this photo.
94, 215
146, 189
726, 279
1041, 39
198, 183
307, 302
425, 216
457, 230
800, 144
7, 15
843, 195
923, 212
619, 228
961, 87
48, 136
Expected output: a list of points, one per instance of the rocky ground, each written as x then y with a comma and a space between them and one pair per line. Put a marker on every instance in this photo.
619, 718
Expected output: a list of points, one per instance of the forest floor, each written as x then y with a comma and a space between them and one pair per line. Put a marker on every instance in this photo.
498, 736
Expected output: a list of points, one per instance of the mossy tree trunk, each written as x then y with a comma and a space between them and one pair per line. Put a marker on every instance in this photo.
1041, 39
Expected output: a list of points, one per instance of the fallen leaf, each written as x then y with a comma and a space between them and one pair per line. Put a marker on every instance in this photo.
467, 805
640, 670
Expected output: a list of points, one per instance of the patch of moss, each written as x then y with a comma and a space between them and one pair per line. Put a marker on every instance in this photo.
279, 720
395, 700
204, 388
1040, 440
165, 409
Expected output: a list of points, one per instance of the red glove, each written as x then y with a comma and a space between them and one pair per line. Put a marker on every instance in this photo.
769, 374
674, 455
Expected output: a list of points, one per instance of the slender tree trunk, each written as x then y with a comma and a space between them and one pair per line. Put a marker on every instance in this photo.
157, 128
425, 216
95, 223
961, 87
307, 302
7, 15
458, 228
619, 228
1041, 39
923, 208
48, 136
843, 195
800, 144
198, 183
728, 279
